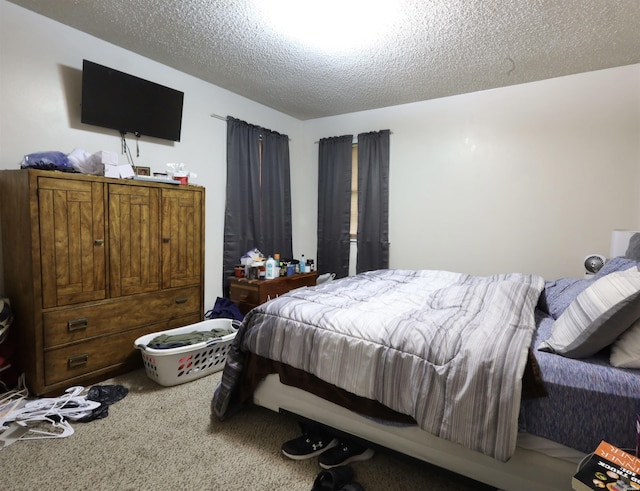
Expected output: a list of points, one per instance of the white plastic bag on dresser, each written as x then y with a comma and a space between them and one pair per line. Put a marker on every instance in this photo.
86, 163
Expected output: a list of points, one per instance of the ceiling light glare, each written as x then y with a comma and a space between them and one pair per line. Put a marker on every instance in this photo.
332, 26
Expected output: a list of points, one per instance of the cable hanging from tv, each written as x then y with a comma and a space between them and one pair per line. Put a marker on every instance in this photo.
125, 147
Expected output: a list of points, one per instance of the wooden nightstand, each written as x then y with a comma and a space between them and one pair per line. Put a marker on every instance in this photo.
248, 294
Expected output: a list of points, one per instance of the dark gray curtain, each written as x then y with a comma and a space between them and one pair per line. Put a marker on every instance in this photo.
373, 201
276, 196
334, 204
258, 200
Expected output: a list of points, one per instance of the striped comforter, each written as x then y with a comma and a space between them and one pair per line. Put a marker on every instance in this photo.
448, 349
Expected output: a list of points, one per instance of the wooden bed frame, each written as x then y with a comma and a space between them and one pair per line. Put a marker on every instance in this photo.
529, 468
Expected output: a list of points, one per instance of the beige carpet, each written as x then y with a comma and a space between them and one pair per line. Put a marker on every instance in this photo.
163, 438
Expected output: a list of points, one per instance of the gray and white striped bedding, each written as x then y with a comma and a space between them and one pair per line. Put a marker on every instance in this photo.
448, 349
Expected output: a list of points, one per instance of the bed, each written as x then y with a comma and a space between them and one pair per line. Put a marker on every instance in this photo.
446, 368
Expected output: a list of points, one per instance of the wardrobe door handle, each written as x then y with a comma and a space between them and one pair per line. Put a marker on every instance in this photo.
98, 242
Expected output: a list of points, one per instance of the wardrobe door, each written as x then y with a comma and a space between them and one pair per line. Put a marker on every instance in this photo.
134, 239
72, 232
182, 235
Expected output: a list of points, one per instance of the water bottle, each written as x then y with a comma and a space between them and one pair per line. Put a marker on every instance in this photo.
276, 258
303, 264
270, 269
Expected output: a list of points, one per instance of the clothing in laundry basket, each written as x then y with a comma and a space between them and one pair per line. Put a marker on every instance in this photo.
168, 341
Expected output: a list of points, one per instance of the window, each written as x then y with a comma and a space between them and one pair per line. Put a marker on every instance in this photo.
353, 229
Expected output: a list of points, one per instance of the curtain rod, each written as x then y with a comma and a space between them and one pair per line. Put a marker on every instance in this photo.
223, 118
354, 141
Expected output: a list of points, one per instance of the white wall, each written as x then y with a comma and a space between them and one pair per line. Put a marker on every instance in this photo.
528, 178
40, 91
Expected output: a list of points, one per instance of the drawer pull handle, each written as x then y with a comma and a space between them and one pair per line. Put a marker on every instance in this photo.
78, 324
181, 300
166, 240
78, 361
99, 242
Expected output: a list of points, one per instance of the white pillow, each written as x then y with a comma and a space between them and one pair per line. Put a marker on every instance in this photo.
597, 316
625, 352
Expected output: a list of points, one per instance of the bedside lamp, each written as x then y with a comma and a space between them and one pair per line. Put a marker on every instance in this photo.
620, 242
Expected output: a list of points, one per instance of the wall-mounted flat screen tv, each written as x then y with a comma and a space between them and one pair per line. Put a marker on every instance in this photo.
113, 99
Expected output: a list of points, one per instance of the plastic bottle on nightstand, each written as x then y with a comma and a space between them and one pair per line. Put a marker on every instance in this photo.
303, 264
276, 258
270, 272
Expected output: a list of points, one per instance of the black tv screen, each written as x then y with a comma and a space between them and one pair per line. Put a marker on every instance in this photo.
129, 104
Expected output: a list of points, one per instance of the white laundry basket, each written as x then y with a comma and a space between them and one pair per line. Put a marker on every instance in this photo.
175, 366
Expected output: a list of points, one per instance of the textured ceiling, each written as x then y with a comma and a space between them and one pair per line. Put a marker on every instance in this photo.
427, 48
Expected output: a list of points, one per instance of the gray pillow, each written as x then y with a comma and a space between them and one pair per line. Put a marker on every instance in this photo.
597, 316
633, 251
625, 352
616, 264
558, 294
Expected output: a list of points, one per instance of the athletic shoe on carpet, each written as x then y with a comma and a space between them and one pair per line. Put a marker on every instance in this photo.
308, 445
344, 453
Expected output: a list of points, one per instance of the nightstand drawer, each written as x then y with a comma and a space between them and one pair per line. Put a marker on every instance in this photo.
247, 294
244, 293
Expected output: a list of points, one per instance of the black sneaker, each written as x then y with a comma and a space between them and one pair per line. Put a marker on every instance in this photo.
344, 453
308, 445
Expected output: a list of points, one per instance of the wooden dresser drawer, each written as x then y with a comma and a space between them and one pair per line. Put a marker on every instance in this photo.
248, 294
78, 323
244, 293
89, 356
273, 289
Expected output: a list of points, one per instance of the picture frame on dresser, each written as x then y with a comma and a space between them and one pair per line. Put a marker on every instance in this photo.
143, 171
